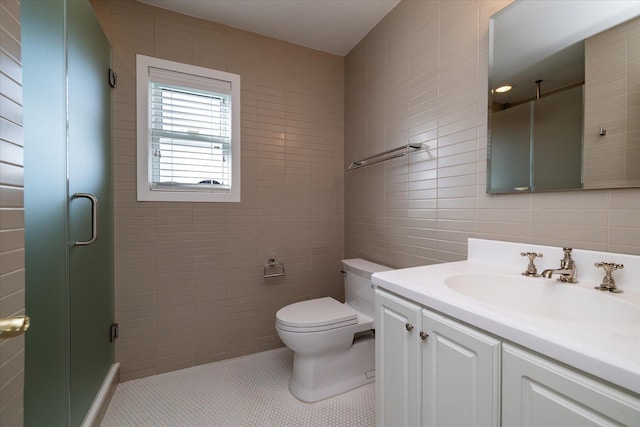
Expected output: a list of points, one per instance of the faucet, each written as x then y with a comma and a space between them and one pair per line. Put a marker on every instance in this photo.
608, 284
567, 270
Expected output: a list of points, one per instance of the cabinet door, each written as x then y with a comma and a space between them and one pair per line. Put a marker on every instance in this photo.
397, 361
538, 392
461, 375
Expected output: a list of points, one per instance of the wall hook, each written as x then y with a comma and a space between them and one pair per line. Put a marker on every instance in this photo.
603, 131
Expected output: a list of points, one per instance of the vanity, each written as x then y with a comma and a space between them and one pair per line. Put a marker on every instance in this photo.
477, 343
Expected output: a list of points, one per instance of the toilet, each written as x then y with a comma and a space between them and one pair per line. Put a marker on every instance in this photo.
332, 342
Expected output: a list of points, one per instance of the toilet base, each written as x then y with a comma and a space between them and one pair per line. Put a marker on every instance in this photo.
320, 377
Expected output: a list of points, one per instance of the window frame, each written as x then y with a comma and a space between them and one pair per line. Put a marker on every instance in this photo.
144, 147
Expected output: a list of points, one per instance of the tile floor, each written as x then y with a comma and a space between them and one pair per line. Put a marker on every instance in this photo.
247, 391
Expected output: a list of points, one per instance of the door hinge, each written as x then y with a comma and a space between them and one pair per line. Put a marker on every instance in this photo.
113, 332
113, 78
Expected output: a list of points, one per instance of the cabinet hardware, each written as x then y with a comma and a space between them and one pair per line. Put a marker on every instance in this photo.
424, 335
409, 327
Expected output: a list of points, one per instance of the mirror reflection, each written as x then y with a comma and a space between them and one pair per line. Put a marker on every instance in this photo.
569, 117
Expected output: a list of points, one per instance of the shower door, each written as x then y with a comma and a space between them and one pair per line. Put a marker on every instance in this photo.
89, 148
68, 210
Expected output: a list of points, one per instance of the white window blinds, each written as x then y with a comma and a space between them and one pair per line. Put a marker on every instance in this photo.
189, 132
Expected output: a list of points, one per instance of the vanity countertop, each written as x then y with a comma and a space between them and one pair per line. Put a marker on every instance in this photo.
608, 351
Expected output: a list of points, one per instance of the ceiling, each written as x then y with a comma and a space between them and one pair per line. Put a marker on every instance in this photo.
333, 26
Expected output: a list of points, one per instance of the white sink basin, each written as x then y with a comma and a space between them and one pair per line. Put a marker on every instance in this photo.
546, 298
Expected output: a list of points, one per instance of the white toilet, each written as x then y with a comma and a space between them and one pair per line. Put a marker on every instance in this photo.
333, 343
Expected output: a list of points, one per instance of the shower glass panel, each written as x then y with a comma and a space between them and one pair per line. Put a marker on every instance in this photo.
537, 145
90, 267
557, 146
510, 149
46, 397
69, 287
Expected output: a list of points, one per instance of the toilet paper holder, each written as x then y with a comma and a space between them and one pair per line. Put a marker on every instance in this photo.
273, 268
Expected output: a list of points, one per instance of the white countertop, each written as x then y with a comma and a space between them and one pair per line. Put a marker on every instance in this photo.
610, 352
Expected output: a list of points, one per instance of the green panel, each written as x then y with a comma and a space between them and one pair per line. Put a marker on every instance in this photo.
69, 289
91, 267
46, 365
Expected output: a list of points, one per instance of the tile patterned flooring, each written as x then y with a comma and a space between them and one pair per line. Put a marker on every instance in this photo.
246, 391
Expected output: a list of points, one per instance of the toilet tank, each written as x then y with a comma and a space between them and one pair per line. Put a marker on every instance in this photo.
358, 290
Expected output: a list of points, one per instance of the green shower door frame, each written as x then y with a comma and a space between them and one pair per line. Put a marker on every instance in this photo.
69, 287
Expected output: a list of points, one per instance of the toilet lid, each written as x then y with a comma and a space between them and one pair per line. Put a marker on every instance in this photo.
316, 313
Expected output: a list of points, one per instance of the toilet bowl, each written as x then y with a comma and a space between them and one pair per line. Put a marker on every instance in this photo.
332, 342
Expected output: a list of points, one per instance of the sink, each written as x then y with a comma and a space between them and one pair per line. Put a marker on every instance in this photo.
546, 298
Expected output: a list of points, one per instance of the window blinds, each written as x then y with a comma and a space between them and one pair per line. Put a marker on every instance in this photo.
190, 132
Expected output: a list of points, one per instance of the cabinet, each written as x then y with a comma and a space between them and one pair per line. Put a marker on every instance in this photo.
431, 370
539, 392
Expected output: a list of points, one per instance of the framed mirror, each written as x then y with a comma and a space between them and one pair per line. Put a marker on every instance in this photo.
571, 117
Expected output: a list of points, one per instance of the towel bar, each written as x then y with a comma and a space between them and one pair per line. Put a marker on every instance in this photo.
403, 150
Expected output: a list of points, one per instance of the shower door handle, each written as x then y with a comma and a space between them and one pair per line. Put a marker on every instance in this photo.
94, 219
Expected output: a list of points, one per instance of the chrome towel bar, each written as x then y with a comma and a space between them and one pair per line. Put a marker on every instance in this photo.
403, 150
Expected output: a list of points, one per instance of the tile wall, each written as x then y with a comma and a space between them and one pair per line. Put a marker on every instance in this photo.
189, 285
612, 99
421, 76
11, 212
188, 276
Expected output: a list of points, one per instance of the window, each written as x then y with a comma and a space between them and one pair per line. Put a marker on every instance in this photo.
188, 132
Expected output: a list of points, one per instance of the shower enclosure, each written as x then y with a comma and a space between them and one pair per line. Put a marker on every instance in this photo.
68, 210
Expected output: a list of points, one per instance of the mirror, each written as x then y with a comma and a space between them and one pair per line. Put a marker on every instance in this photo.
572, 117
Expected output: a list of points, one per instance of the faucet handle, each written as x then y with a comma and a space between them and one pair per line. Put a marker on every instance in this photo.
531, 268
608, 284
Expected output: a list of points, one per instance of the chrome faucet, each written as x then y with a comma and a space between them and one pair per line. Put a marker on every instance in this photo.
567, 270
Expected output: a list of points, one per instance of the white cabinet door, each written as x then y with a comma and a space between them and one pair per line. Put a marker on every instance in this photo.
461, 374
397, 361
539, 392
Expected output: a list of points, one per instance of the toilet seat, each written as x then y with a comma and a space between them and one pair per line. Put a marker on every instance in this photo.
315, 315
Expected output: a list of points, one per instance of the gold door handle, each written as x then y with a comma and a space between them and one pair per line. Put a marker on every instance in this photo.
13, 326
